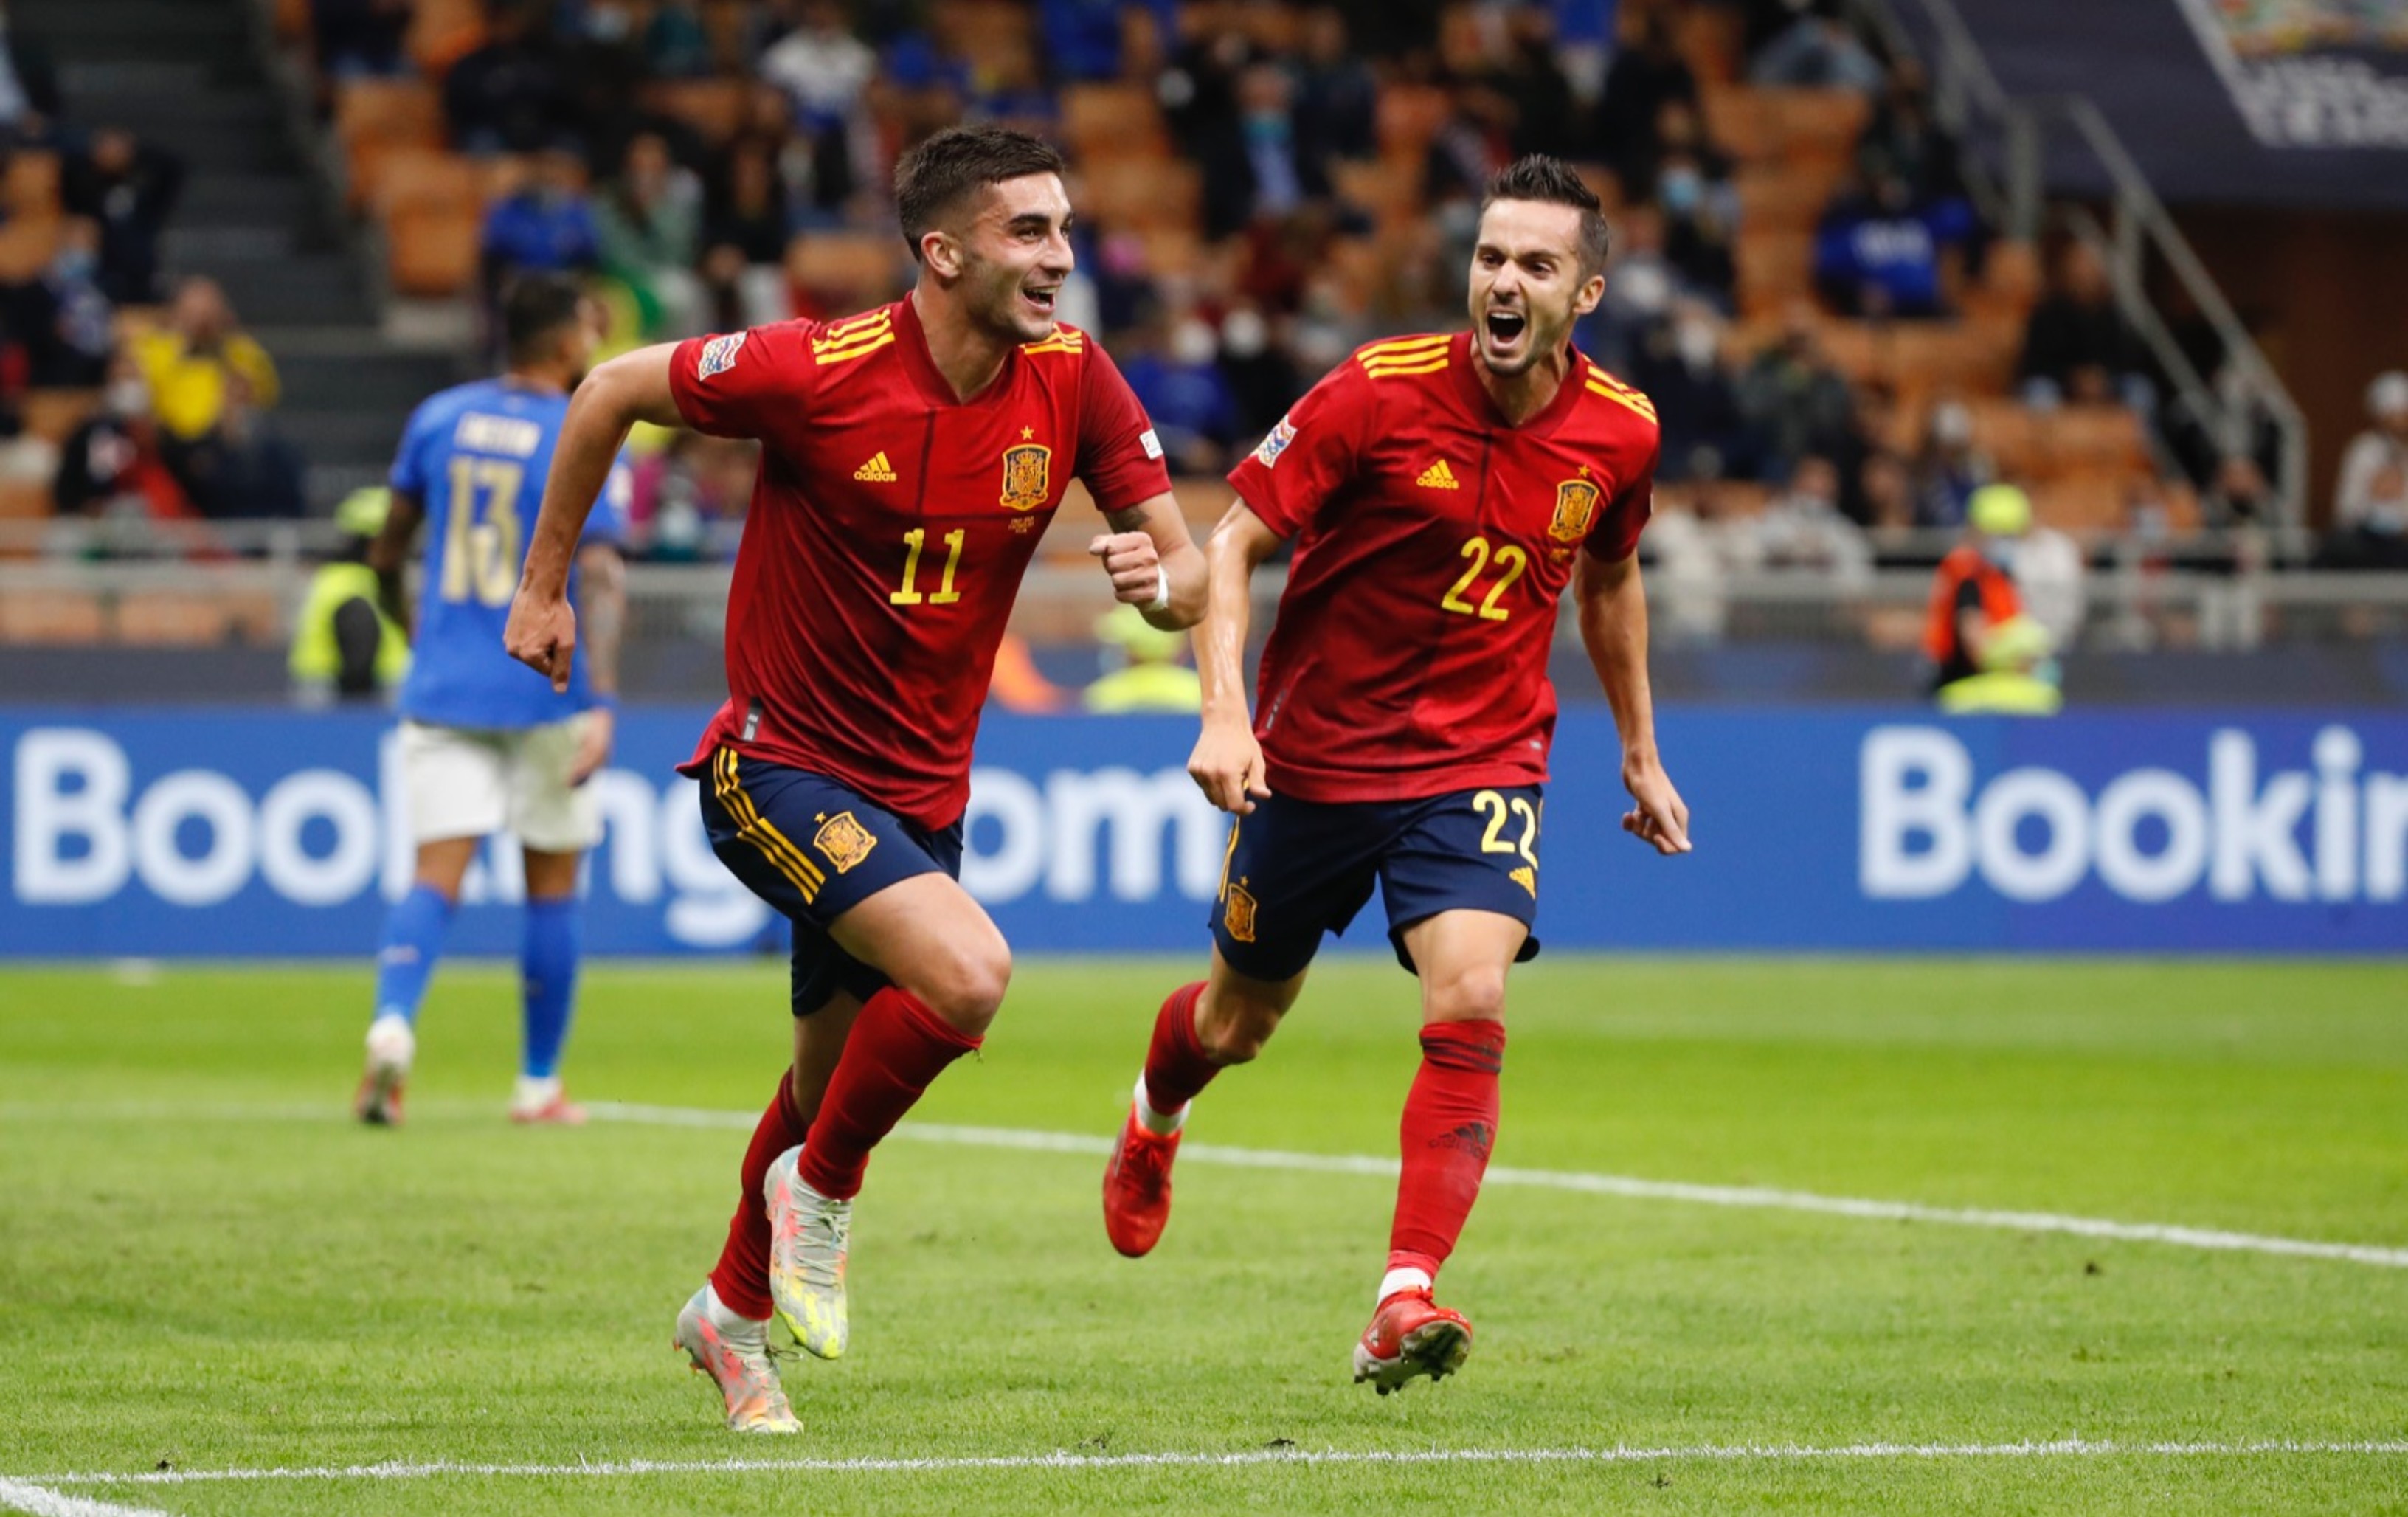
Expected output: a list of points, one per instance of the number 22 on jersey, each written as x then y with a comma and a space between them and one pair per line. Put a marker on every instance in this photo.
480, 547
1510, 562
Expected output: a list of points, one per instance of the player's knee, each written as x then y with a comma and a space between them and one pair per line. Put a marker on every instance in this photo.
969, 988
1476, 995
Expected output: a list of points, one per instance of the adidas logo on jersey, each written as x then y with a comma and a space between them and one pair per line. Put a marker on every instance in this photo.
1438, 477
876, 471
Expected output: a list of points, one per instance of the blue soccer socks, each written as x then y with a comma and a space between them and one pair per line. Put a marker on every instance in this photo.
414, 941
548, 958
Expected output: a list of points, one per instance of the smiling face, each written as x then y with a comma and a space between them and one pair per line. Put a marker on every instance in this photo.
1528, 286
1011, 255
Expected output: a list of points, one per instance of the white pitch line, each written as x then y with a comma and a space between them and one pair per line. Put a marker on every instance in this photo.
38, 1501
1623, 1185
1709, 1452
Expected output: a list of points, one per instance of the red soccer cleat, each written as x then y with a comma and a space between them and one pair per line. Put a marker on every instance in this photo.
1411, 1335
559, 1111
1136, 1187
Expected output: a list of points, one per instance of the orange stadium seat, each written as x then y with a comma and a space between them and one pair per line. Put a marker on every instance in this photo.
1138, 195
1112, 120
2086, 503
51, 616
1774, 269
375, 117
23, 500
433, 204
1740, 122
2080, 437
159, 618
1387, 188
1709, 40
51, 415
846, 271
1782, 197
443, 32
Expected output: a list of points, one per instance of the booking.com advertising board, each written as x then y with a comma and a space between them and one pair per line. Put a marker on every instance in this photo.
165, 833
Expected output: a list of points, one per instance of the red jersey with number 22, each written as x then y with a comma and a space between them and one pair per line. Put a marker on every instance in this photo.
890, 525
1433, 542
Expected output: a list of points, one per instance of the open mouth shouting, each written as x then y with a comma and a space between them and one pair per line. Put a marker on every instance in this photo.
1505, 331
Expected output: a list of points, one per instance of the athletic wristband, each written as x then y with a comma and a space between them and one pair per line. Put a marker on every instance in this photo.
1161, 601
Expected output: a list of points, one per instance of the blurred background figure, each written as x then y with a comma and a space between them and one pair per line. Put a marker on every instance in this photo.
344, 646
1986, 652
1148, 669
2370, 503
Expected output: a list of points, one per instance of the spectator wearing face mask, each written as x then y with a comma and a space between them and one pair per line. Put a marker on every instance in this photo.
1186, 395
1795, 401
111, 465
1817, 52
2077, 346
1643, 79
2371, 504
1802, 528
546, 225
647, 230
1262, 381
61, 317
1641, 285
1680, 366
1949, 468
1880, 252
1255, 166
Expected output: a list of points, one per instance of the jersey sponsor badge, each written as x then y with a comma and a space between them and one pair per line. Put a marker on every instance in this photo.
1027, 472
1575, 509
1274, 443
718, 355
1152, 443
1238, 914
844, 840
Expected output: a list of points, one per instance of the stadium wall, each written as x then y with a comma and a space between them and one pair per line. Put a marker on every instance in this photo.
163, 833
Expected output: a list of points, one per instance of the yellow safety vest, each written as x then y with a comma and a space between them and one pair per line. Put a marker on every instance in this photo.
315, 655
1147, 687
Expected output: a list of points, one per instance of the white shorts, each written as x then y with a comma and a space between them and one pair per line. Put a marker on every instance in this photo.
464, 782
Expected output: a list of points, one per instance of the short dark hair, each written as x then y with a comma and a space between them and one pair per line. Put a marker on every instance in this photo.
534, 308
1552, 182
931, 180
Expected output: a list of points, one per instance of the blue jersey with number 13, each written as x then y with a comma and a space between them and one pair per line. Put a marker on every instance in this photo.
475, 457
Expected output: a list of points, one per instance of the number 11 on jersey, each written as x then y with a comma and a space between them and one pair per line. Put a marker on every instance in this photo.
913, 541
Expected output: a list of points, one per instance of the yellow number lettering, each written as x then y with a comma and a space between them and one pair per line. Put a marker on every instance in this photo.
910, 594
1492, 805
913, 541
1513, 561
946, 595
1529, 816
480, 549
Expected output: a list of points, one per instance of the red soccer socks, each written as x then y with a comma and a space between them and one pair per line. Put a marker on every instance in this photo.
897, 1047
1176, 1066
742, 1278
1449, 1125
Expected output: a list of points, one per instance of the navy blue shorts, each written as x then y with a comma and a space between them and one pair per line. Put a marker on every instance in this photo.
814, 848
1298, 869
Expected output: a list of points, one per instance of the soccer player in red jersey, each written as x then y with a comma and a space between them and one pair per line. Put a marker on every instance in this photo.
1441, 490
911, 457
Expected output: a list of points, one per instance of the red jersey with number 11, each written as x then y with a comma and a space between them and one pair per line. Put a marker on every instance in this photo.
1433, 542
890, 525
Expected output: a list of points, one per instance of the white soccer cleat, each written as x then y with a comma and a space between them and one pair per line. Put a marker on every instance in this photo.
810, 1235
736, 1355
392, 1046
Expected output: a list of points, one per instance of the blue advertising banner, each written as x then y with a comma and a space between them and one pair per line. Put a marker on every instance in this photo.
193, 833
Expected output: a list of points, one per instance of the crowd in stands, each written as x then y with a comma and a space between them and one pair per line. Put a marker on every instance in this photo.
1841, 350
121, 397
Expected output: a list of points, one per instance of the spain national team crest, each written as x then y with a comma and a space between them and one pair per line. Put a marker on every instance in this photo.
1028, 476
844, 840
1575, 509
1238, 914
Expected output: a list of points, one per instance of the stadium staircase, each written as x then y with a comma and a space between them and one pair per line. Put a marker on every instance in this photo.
192, 75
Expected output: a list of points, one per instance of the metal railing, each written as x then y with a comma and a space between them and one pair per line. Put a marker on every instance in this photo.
2006, 141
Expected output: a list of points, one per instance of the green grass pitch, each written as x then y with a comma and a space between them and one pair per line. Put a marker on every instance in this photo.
204, 1265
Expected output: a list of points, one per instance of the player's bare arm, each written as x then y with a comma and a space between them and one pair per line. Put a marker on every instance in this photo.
1613, 627
1227, 763
633, 387
602, 605
389, 551
1154, 564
